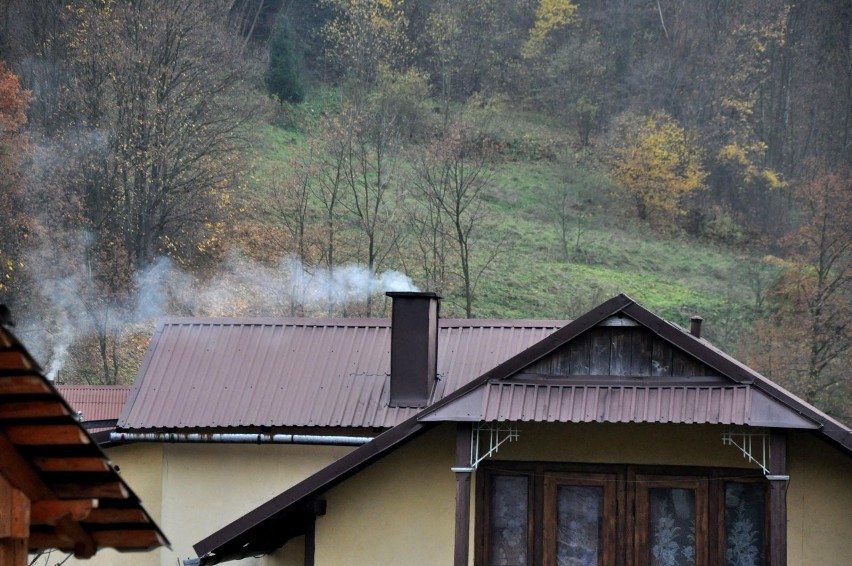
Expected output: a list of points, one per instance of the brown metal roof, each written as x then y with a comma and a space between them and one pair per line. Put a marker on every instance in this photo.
718, 403
95, 402
79, 503
617, 404
300, 372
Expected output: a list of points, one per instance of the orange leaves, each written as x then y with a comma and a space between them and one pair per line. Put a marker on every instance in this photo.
13, 101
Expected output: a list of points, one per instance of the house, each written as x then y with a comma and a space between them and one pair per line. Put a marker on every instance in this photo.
58, 490
618, 438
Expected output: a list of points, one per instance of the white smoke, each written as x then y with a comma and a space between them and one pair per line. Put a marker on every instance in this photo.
239, 287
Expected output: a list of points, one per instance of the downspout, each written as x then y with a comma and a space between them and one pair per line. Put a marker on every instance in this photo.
238, 438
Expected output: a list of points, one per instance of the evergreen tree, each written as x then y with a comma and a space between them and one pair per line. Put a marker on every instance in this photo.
284, 74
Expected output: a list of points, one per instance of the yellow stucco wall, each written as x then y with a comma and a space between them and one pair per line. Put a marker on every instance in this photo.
819, 503
398, 511
650, 444
192, 490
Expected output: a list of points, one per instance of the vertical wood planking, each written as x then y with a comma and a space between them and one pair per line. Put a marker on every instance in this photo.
661, 358
641, 355
620, 351
561, 364
581, 355
601, 343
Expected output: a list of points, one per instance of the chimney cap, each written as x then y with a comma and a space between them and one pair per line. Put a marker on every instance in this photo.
695, 325
413, 294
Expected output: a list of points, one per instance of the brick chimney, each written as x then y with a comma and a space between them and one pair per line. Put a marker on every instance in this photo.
414, 348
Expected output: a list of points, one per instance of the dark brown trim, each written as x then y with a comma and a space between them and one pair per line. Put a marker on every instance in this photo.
778, 498
462, 526
709, 482
311, 542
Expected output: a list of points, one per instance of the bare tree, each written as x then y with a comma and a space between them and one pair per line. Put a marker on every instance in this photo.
452, 175
162, 80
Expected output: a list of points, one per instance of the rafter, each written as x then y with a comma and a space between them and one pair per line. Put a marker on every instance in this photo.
19, 473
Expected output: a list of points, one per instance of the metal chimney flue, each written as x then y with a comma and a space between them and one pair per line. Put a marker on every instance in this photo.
695, 326
414, 348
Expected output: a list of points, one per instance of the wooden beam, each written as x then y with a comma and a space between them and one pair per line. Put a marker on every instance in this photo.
109, 516
14, 524
462, 472
113, 489
76, 464
128, 539
23, 384
778, 480
311, 542
83, 544
46, 435
49, 511
20, 473
14, 359
32, 409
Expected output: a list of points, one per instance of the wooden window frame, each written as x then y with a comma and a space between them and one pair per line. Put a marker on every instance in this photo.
712, 499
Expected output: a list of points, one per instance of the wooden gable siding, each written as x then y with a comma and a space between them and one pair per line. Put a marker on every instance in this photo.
620, 351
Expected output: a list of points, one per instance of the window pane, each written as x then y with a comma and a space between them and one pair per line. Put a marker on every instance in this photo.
579, 525
744, 524
508, 529
672, 527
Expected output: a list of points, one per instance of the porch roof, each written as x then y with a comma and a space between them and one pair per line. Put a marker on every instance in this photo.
79, 503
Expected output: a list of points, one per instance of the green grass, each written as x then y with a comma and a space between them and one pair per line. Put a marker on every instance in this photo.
673, 275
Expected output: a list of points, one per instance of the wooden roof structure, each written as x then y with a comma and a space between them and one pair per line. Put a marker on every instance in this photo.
58, 490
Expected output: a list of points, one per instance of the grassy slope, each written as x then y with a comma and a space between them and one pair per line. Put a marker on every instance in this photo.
672, 275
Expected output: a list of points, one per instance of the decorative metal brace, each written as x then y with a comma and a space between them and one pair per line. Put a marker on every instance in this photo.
753, 445
491, 436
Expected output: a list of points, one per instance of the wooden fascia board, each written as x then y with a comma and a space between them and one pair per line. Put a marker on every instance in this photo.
48, 512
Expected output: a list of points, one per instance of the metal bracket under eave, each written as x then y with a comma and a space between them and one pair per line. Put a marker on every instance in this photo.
486, 439
753, 445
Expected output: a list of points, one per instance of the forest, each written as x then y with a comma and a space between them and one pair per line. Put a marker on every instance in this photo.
523, 158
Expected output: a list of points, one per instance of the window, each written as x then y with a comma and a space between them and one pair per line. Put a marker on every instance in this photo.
560, 515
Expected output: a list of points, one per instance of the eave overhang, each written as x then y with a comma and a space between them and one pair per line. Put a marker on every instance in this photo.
79, 502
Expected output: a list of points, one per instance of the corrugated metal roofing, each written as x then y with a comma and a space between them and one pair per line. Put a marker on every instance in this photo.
617, 404
96, 402
300, 372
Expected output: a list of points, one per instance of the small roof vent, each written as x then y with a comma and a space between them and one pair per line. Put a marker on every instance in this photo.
618, 320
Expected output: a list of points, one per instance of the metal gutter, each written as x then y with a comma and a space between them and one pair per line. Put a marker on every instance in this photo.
238, 438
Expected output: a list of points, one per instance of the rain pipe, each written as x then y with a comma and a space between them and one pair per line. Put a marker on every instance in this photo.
238, 438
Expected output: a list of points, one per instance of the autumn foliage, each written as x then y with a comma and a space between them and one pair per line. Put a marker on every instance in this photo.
658, 166
13, 145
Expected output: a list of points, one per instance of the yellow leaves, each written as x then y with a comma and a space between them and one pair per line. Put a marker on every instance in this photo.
550, 16
659, 166
744, 158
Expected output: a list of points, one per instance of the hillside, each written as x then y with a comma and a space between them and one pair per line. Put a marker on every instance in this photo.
523, 159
